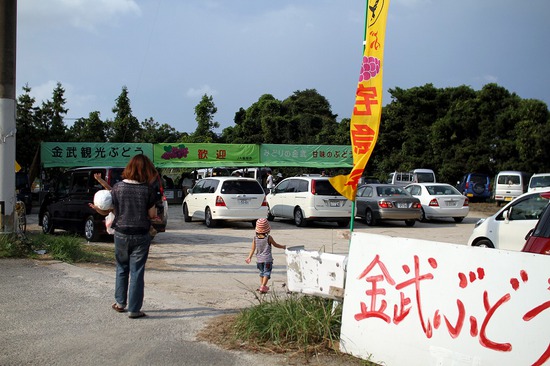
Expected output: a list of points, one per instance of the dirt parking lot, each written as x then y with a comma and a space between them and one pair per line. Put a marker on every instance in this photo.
204, 267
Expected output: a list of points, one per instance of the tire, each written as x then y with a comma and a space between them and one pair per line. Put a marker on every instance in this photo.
422, 215
410, 222
47, 223
343, 223
270, 217
458, 219
208, 221
90, 231
186, 216
484, 243
478, 188
299, 219
370, 220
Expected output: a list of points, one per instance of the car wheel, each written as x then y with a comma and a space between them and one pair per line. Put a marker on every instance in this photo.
484, 243
47, 223
458, 219
208, 218
478, 188
90, 231
270, 217
299, 219
423, 215
186, 216
410, 222
343, 223
369, 218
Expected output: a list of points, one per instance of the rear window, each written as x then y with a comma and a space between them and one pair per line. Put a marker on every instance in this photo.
478, 178
425, 178
324, 188
508, 179
241, 187
442, 190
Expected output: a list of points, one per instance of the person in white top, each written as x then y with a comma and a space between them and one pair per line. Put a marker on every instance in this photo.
269, 182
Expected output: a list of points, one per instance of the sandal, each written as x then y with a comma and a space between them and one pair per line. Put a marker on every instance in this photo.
117, 308
139, 314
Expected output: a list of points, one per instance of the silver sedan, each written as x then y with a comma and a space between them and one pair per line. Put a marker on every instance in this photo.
376, 202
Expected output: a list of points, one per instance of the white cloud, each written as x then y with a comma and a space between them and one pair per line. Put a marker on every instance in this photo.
83, 14
205, 89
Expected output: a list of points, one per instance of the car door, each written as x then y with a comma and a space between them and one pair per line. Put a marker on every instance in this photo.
276, 198
76, 207
195, 197
513, 224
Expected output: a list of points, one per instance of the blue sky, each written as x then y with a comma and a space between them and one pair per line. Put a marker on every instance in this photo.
169, 53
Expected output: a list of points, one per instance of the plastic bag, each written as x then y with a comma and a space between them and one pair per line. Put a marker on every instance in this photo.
103, 200
109, 222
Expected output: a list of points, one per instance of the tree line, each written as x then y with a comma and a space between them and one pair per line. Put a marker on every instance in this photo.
451, 130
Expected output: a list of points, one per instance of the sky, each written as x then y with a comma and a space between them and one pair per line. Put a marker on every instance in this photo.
169, 53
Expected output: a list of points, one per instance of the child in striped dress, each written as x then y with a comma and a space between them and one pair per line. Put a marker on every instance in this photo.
261, 244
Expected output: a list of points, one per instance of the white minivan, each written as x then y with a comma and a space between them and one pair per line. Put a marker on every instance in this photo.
305, 199
539, 182
510, 184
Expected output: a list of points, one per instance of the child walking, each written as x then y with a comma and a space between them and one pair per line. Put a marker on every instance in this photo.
261, 244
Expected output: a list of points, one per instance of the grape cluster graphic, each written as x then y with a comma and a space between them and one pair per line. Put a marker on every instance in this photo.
175, 152
370, 68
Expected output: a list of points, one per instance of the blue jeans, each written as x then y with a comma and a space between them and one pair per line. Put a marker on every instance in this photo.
131, 252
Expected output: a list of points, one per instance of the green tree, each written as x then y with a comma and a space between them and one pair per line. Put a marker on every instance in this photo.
154, 133
51, 115
91, 129
204, 115
28, 137
125, 127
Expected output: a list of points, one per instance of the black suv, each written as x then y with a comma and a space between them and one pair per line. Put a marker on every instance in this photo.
65, 206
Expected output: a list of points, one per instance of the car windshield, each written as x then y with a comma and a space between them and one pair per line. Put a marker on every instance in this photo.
391, 191
324, 188
241, 187
542, 181
424, 177
441, 190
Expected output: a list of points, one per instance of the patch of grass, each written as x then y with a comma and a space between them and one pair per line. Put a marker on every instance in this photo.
66, 248
293, 321
304, 328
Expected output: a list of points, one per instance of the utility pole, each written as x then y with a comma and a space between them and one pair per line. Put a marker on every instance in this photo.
8, 32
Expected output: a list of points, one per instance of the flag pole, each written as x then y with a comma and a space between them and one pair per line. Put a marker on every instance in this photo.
352, 219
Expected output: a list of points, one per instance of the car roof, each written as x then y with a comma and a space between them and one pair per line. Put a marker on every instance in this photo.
224, 178
430, 184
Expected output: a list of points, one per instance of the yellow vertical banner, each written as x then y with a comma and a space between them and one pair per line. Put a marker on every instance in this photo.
365, 120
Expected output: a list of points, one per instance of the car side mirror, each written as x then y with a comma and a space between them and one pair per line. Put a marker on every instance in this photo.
507, 214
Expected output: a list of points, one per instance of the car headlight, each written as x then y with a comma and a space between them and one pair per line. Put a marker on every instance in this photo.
479, 222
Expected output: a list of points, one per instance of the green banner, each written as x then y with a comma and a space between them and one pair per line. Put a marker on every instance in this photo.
314, 156
176, 155
75, 154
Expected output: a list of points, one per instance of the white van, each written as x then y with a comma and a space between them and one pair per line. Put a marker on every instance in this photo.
510, 184
414, 176
539, 182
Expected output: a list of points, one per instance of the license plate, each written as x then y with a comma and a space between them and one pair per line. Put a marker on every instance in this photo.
507, 198
243, 202
334, 203
402, 205
451, 204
